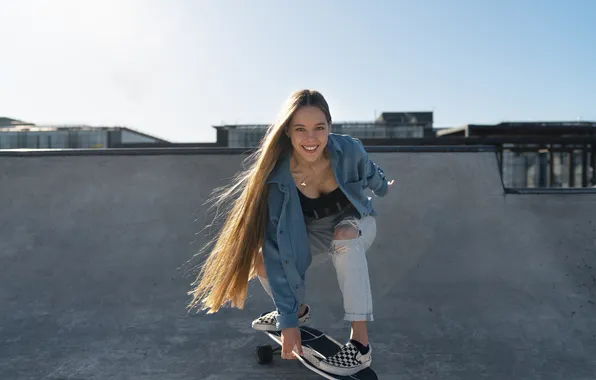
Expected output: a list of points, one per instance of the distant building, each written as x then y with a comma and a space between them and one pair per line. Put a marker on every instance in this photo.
538, 154
531, 154
389, 125
16, 134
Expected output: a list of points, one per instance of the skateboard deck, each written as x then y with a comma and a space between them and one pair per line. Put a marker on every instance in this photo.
315, 346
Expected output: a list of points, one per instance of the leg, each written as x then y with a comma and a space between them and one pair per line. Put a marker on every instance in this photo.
262, 274
267, 322
351, 239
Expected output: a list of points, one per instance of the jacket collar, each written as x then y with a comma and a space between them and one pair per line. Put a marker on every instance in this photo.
281, 172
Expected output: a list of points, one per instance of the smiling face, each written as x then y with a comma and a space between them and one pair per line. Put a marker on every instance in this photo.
308, 131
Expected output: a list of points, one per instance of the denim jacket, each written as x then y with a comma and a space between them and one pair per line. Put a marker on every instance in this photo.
286, 249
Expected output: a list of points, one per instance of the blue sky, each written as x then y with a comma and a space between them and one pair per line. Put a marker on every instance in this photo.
174, 68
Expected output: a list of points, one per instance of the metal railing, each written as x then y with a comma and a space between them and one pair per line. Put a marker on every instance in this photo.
524, 162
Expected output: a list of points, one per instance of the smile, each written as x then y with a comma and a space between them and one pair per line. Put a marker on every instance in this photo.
310, 148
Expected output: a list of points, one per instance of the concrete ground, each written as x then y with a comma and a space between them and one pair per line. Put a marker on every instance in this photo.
468, 283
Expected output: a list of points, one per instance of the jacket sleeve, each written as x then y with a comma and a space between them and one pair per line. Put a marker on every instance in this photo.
283, 296
375, 177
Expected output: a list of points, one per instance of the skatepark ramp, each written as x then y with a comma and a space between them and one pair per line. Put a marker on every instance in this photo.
469, 281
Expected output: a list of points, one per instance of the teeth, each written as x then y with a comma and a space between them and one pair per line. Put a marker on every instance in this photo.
310, 147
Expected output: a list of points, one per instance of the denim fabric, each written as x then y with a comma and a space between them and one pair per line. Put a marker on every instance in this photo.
348, 257
286, 249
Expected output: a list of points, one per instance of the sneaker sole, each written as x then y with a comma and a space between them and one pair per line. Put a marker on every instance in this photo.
261, 327
344, 372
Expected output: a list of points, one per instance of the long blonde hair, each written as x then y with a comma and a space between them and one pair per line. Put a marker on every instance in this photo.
225, 273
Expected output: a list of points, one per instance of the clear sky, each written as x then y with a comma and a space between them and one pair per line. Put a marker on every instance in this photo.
174, 68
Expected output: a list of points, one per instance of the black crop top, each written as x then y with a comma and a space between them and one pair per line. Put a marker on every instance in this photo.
324, 205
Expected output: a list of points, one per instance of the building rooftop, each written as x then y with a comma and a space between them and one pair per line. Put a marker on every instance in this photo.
424, 117
6, 122
13, 125
521, 127
395, 118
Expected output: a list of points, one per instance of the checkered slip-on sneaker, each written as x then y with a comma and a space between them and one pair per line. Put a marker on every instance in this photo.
347, 361
267, 322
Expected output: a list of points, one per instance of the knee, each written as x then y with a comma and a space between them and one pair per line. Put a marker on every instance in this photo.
345, 232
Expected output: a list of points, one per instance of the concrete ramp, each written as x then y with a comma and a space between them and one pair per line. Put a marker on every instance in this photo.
468, 282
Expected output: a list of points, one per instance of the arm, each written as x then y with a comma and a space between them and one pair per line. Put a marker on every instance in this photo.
283, 296
375, 177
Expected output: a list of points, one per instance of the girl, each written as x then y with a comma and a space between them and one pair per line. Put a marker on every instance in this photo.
302, 194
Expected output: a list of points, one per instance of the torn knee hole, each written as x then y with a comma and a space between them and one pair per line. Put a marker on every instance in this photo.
342, 246
346, 232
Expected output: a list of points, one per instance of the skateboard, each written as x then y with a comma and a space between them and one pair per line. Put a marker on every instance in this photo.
316, 346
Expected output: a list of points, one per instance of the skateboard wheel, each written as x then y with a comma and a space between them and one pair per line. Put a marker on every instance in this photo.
264, 354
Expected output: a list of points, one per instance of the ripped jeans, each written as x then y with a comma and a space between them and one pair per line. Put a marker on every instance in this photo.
348, 257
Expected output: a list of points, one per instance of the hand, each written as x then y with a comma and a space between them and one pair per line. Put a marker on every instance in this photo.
290, 337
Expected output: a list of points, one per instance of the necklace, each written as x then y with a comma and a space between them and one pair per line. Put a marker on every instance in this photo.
303, 182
